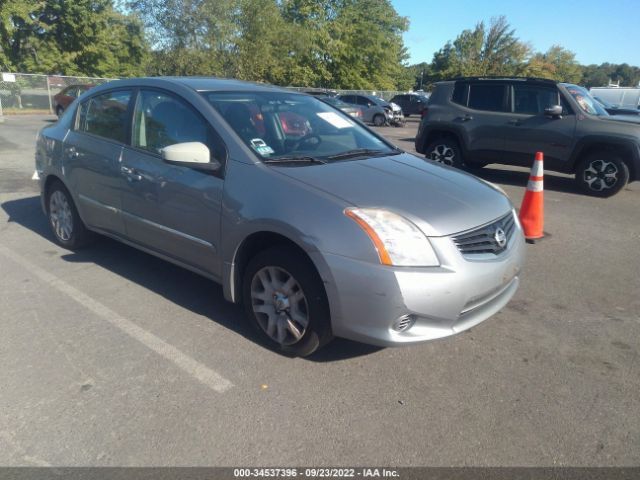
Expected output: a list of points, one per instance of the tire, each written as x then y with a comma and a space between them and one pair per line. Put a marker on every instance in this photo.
59, 111
602, 174
378, 120
66, 225
281, 290
446, 151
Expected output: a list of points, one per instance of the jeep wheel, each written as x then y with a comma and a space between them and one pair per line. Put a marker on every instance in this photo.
445, 151
602, 174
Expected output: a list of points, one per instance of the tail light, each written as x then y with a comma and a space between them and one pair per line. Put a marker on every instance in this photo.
423, 113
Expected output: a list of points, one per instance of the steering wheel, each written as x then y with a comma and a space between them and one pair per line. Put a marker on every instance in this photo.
312, 140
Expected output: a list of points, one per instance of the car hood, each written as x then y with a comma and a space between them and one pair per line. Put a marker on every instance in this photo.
439, 199
622, 118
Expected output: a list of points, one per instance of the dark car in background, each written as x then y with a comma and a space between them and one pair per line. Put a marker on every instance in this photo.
474, 121
411, 103
65, 97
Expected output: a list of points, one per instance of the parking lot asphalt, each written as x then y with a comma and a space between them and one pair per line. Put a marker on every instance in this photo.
110, 356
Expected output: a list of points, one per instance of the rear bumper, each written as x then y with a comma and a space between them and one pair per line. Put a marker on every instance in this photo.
368, 300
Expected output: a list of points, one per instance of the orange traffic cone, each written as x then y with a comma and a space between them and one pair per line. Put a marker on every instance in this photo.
532, 210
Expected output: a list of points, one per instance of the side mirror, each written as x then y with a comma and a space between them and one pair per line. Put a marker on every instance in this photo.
189, 154
555, 111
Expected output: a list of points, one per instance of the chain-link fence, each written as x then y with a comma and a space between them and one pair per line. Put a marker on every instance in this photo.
29, 93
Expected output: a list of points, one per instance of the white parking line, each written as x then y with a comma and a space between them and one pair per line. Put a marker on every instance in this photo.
197, 370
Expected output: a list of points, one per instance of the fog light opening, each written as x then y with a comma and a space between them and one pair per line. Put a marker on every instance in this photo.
404, 323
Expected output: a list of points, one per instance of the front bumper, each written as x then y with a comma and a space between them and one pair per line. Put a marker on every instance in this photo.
367, 300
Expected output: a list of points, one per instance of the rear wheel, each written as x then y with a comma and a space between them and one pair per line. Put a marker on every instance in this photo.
446, 151
68, 229
284, 298
602, 174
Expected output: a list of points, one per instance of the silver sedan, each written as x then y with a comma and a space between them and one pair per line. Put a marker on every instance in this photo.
316, 225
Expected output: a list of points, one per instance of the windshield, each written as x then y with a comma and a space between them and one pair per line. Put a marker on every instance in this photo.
586, 102
293, 127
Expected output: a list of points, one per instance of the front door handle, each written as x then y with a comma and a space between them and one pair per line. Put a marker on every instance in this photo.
73, 153
466, 118
515, 122
131, 174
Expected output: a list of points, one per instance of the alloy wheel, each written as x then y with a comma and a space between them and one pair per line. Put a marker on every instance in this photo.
601, 175
279, 305
60, 215
443, 154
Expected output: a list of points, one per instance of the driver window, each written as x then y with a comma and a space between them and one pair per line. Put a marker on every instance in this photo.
161, 120
532, 99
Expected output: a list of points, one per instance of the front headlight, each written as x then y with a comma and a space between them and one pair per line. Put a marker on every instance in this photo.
398, 241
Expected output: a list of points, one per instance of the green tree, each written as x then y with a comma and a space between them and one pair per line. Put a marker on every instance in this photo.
557, 63
492, 50
73, 37
368, 51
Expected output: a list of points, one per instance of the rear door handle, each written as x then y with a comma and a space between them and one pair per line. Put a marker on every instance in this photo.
515, 122
466, 118
131, 174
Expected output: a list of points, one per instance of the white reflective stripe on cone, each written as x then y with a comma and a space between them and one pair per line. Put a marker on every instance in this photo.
537, 170
535, 185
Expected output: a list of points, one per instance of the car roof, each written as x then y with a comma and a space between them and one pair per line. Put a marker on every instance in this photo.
501, 79
199, 84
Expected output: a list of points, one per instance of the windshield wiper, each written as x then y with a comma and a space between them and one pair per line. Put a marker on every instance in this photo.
294, 159
359, 152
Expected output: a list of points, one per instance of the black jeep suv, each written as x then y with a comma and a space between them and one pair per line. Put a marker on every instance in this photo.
471, 122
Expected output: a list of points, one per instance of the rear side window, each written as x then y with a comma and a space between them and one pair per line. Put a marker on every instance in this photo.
106, 115
533, 99
489, 97
459, 93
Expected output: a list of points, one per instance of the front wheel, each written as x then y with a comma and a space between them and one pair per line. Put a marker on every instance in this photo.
284, 299
445, 151
59, 111
602, 174
378, 120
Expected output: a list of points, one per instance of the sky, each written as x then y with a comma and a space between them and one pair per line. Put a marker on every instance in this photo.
597, 31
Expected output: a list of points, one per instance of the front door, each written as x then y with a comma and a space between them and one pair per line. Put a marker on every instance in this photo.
174, 210
528, 130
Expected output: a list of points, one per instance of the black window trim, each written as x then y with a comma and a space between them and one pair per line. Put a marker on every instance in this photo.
223, 161
75, 127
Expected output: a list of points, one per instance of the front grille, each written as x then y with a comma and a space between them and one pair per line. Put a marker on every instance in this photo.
485, 238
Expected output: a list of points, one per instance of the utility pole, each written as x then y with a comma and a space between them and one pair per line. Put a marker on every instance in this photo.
421, 79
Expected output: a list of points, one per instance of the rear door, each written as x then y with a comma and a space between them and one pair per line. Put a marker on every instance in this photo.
483, 121
174, 210
92, 152
528, 130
